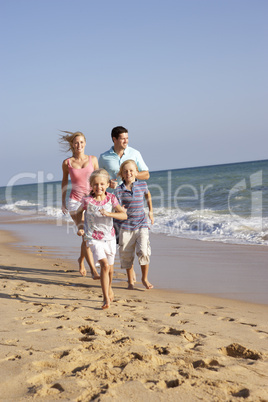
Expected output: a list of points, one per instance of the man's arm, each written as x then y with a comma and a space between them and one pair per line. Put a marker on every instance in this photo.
143, 175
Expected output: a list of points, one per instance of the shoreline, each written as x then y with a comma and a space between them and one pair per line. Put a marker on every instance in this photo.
56, 343
228, 271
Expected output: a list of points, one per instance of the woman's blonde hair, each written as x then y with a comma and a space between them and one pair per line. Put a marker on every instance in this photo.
67, 140
97, 173
124, 164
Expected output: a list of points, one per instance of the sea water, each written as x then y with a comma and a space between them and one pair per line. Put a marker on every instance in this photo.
226, 203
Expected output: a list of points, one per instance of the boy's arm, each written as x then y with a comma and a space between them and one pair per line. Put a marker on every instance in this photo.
150, 206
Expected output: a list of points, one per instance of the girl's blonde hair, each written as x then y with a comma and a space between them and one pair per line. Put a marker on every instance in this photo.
97, 173
67, 140
124, 164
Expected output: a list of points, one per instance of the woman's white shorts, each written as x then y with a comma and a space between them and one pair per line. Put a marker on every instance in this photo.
73, 205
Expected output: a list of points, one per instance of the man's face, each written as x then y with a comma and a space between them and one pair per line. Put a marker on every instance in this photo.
121, 142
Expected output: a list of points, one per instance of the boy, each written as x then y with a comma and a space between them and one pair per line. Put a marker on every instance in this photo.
134, 232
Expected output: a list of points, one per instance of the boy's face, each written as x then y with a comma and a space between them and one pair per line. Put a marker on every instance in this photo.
129, 173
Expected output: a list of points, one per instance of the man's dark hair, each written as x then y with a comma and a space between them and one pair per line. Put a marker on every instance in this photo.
116, 131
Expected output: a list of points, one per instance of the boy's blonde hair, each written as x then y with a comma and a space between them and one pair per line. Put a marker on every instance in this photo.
97, 173
67, 140
124, 164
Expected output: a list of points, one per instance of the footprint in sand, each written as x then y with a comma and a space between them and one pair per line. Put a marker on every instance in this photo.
239, 351
9, 342
250, 325
263, 333
173, 314
87, 330
208, 313
181, 332
93, 320
37, 330
60, 355
62, 317
229, 319
14, 357
210, 364
162, 350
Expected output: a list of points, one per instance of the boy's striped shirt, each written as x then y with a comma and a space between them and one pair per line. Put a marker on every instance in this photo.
133, 201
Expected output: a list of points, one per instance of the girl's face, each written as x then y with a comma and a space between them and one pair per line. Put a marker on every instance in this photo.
99, 185
129, 172
79, 143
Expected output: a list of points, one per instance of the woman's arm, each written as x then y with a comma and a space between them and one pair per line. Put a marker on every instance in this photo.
95, 162
64, 185
150, 206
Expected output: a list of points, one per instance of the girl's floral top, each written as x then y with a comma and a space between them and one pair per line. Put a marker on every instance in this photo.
97, 226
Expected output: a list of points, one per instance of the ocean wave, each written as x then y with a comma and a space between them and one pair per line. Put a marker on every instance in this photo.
207, 224
32, 210
211, 226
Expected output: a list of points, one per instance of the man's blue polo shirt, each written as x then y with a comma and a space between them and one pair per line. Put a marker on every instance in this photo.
111, 162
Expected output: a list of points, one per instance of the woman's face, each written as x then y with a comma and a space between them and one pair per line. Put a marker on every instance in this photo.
79, 143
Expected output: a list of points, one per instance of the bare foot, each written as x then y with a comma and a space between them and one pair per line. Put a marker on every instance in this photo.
147, 284
95, 276
130, 286
82, 268
105, 305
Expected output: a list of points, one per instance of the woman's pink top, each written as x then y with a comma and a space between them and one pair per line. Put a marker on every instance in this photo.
80, 180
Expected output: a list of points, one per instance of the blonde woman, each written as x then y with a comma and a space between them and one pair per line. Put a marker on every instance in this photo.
79, 167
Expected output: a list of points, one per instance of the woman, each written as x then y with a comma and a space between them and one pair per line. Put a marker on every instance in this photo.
79, 166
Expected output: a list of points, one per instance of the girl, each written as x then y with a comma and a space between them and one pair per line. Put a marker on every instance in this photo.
100, 208
134, 232
79, 167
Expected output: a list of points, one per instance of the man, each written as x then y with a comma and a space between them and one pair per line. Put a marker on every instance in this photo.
111, 160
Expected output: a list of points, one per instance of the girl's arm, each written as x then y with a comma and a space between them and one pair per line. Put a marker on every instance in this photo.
150, 206
120, 213
64, 185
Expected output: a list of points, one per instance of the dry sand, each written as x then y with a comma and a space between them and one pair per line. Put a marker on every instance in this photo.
151, 345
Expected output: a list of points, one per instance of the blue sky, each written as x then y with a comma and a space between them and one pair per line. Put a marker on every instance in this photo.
188, 78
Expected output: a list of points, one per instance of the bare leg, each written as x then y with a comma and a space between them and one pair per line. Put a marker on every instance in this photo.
106, 282
81, 258
87, 253
130, 278
144, 278
82, 268
134, 276
111, 273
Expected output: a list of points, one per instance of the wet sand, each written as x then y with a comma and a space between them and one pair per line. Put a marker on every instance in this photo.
238, 272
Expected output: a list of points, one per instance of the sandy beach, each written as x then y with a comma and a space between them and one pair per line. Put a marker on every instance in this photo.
56, 342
